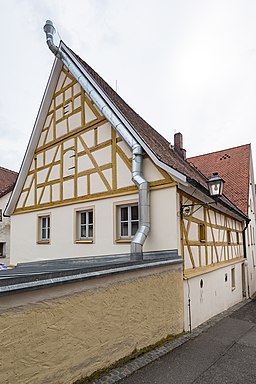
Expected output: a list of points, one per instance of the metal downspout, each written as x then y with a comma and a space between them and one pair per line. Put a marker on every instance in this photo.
245, 255
137, 152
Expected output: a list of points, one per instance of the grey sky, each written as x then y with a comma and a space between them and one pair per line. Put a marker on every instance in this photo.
183, 65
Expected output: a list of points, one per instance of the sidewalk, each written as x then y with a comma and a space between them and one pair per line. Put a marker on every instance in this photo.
221, 351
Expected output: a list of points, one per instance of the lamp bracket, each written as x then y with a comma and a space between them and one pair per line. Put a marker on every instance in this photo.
185, 209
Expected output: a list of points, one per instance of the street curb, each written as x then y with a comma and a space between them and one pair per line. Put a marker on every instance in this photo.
117, 374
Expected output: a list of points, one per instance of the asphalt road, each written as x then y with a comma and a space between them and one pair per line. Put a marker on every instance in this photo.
222, 354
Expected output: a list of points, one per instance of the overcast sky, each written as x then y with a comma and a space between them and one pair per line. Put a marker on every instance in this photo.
184, 65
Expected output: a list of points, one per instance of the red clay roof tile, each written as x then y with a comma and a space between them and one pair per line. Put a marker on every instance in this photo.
233, 166
7, 180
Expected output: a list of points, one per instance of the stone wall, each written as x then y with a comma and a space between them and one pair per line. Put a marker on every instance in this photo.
60, 334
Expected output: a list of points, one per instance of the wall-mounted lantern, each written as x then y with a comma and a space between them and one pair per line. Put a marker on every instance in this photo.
215, 186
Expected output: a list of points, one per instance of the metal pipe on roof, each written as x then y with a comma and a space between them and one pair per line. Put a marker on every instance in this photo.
137, 152
49, 31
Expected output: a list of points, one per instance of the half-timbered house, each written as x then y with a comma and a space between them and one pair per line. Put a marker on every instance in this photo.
7, 181
236, 167
98, 180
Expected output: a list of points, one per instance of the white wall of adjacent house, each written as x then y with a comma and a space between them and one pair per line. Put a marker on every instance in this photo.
250, 237
4, 232
211, 293
63, 236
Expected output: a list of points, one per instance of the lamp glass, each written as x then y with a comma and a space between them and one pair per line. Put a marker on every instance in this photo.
216, 184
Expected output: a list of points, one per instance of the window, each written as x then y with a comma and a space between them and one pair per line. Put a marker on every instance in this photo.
85, 225
44, 229
237, 238
229, 236
233, 279
1, 215
2, 249
253, 260
201, 232
128, 220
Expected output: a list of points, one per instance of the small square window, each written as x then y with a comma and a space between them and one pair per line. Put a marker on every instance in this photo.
44, 229
85, 224
128, 221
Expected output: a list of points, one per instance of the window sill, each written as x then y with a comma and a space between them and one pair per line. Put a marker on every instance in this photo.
43, 242
84, 241
123, 241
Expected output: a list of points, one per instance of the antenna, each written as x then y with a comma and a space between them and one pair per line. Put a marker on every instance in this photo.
116, 85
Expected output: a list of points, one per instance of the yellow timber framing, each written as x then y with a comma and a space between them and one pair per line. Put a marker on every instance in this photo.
217, 249
49, 173
212, 267
155, 185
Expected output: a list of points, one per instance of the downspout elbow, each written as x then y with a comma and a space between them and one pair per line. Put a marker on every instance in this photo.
142, 184
50, 31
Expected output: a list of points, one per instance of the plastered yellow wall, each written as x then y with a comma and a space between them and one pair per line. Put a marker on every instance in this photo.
59, 334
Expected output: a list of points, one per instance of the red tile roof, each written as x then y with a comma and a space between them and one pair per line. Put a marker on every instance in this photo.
233, 166
7, 180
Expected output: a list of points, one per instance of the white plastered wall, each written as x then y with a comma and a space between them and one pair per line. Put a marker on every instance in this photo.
163, 234
215, 296
250, 237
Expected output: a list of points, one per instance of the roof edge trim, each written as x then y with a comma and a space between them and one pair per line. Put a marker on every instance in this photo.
45, 104
176, 174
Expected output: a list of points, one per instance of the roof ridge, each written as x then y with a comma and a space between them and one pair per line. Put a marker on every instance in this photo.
221, 150
9, 170
162, 141
112, 90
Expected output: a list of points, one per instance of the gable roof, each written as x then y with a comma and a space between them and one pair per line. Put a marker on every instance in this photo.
7, 180
153, 140
233, 166
157, 147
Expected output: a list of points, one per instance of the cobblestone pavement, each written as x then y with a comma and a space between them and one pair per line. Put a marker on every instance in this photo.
194, 356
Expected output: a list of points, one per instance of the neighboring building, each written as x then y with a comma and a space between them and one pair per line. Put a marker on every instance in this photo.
98, 180
235, 166
7, 181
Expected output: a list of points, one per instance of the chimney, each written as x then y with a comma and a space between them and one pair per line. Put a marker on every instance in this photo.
178, 145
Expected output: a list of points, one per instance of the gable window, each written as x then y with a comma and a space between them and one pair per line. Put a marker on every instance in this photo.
201, 232
85, 223
44, 229
128, 221
228, 236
